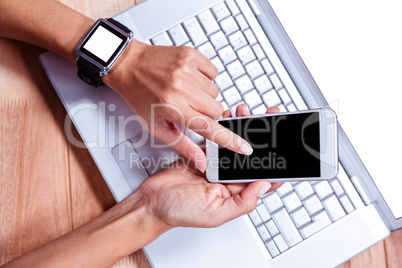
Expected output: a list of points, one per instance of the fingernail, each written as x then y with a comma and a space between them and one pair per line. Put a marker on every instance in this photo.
246, 149
264, 189
200, 166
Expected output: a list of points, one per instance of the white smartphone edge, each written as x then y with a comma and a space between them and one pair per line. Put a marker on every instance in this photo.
329, 162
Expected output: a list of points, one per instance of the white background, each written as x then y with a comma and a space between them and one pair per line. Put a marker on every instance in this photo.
353, 48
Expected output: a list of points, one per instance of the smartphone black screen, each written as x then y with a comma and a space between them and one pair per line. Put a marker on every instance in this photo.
285, 146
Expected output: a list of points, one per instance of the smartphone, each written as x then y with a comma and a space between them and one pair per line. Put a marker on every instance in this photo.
294, 146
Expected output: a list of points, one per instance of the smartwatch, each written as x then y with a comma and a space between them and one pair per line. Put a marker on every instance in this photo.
100, 48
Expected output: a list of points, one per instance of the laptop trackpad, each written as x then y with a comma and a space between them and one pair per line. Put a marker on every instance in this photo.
154, 154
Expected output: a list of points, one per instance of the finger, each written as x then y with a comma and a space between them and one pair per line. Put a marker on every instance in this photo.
203, 83
242, 110
215, 132
227, 114
275, 186
272, 110
243, 202
173, 137
236, 188
206, 105
205, 66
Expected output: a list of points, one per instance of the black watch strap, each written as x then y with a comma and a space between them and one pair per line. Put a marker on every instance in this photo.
90, 73
119, 25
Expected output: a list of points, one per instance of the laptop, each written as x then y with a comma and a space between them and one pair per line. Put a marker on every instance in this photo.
303, 224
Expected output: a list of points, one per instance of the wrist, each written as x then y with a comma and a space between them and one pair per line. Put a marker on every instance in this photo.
127, 61
126, 228
67, 42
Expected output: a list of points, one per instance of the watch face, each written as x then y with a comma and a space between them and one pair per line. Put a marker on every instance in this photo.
103, 43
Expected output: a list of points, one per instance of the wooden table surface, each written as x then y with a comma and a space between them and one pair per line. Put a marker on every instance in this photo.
49, 187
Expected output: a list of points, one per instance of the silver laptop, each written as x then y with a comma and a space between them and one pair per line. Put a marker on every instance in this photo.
309, 224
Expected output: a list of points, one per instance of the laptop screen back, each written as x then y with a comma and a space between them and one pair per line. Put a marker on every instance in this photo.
353, 51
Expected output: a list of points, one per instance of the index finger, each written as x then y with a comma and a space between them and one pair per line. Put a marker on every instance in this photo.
217, 133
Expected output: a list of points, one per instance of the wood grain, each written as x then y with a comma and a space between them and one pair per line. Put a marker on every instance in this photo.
49, 187
34, 179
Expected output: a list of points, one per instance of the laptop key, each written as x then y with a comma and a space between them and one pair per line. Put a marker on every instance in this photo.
233, 7
282, 108
241, 21
220, 11
320, 221
262, 84
304, 190
284, 96
272, 229
227, 54
291, 202
280, 243
291, 107
287, 227
195, 32
252, 99
162, 40
267, 66
272, 249
246, 54
255, 218
263, 212
271, 98
323, 189
223, 81
237, 40
254, 69
235, 69
250, 37
229, 25
273, 202
244, 84
231, 96
262, 230
301, 217
347, 205
285, 189
259, 110
218, 64
313, 205
189, 44
259, 52
219, 98
208, 22
337, 187
178, 35
333, 208
275, 81
207, 50
218, 40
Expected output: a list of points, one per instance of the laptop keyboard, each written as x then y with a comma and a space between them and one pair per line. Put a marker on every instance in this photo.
297, 210
246, 75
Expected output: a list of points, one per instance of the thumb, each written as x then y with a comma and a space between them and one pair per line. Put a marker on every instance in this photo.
255, 189
245, 201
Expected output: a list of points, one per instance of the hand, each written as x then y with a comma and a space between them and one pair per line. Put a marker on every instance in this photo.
179, 81
181, 196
